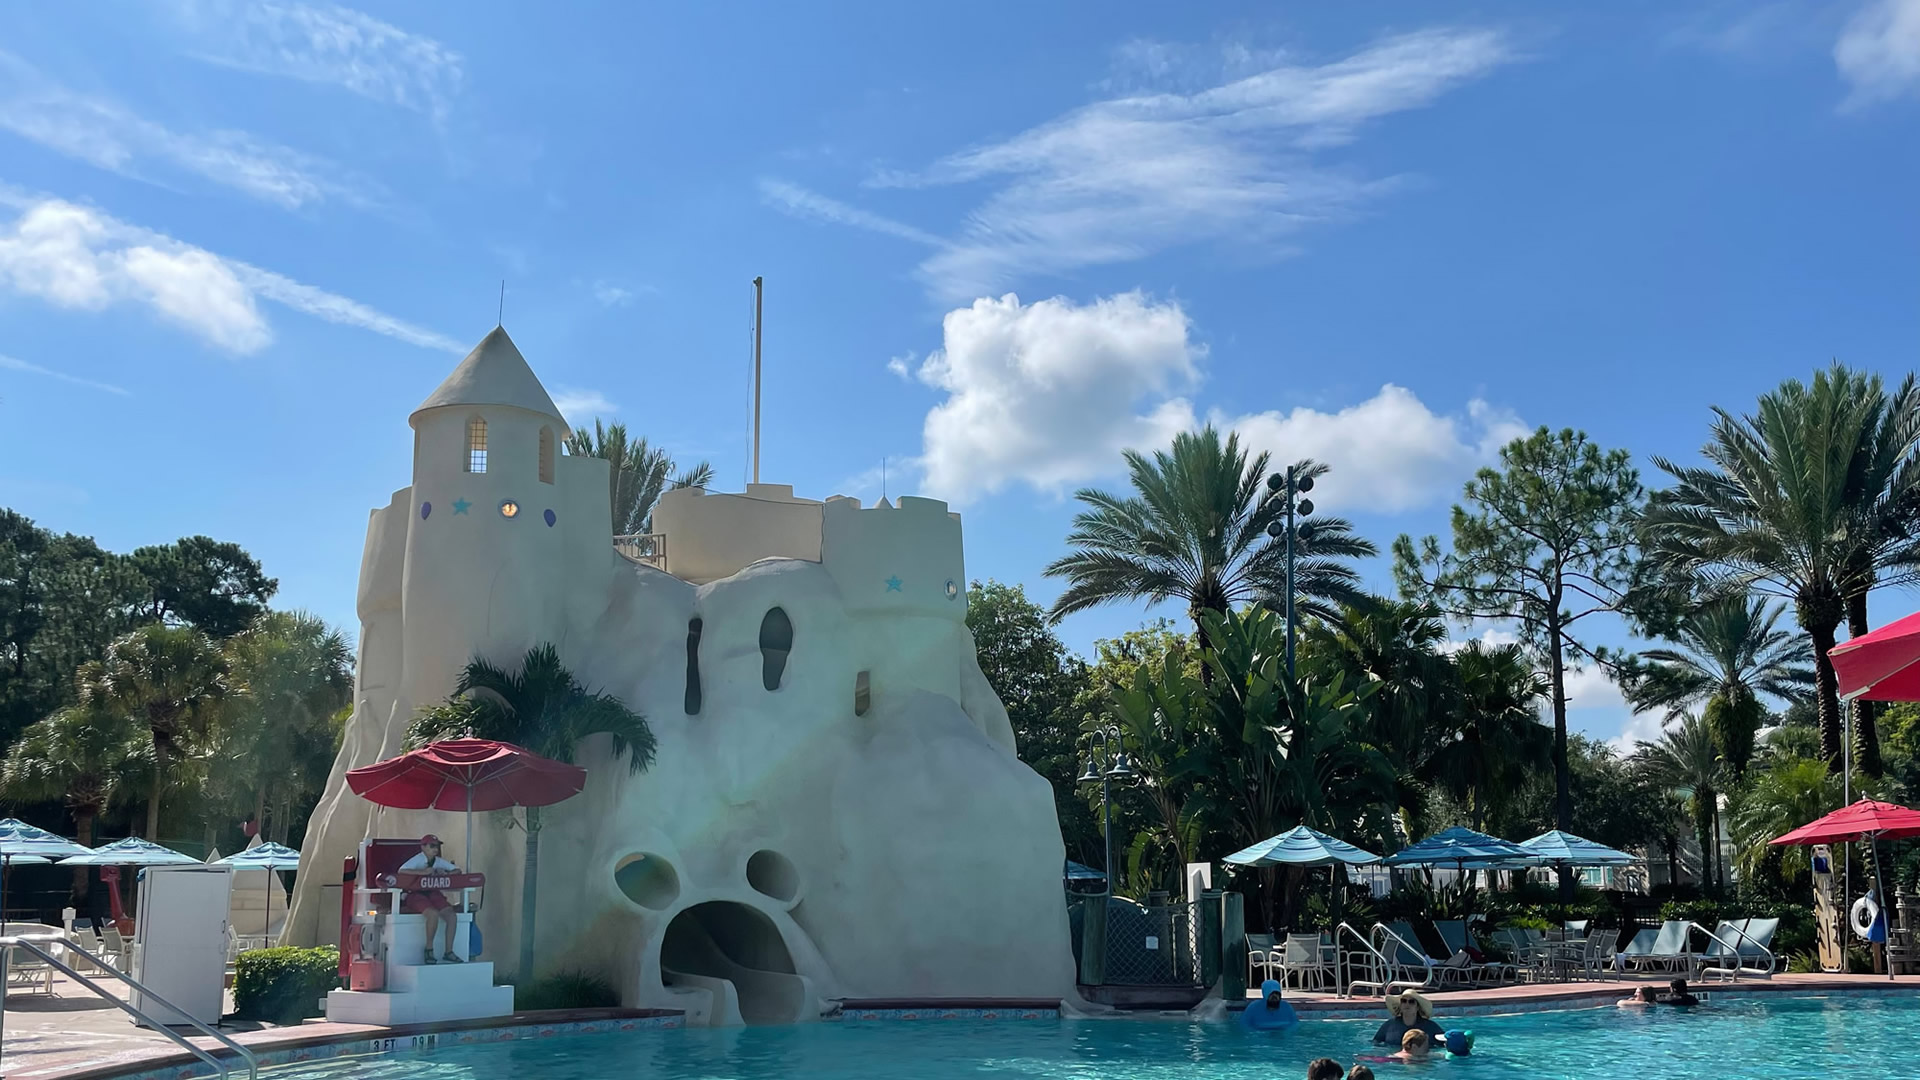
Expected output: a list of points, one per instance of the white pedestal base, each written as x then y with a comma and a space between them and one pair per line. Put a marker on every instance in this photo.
420, 993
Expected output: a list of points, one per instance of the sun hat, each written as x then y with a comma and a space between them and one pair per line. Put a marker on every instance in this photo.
1426, 1007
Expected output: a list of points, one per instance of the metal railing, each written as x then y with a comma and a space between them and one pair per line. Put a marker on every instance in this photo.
1380, 966
649, 548
1732, 953
221, 1066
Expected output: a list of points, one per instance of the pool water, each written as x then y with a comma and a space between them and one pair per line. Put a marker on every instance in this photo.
1733, 1039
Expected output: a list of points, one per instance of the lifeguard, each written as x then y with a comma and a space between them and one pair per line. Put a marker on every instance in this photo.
429, 903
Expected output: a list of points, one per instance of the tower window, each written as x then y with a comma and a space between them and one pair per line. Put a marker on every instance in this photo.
862, 694
546, 455
476, 445
693, 666
776, 641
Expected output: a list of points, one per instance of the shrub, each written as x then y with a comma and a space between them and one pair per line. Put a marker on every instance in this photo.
284, 986
565, 990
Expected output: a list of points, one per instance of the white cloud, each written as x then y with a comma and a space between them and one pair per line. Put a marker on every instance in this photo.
902, 365
611, 295
1636, 728
580, 405
1388, 453
1049, 393
75, 257
1879, 52
331, 45
109, 136
12, 364
1123, 178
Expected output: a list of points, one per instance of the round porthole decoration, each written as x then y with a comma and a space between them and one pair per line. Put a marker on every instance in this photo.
953, 589
509, 508
550, 518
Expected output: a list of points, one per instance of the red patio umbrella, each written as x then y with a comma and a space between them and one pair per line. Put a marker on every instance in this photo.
467, 774
1868, 820
1883, 665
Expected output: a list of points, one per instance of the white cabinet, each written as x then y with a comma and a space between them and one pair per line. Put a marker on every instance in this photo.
182, 930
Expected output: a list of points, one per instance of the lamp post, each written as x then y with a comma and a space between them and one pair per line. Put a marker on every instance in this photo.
1285, 487
1106, 762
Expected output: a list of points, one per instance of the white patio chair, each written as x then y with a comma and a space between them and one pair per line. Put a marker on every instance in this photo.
26, 970
1262, 958
1302, 960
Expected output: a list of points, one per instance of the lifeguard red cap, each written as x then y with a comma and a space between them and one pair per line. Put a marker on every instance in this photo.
429, 839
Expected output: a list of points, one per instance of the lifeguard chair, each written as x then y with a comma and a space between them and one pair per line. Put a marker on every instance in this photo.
382, 948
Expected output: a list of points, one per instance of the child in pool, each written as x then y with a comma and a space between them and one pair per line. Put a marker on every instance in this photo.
1323, 1069
1646, 995
1414, 1046
1360, 1072
1678, 994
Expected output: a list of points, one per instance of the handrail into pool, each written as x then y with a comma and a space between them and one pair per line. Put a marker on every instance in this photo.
9, 943
1739, 967
1406, 946
1381, 965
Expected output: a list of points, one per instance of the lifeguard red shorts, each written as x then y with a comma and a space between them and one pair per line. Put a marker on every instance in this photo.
416, 902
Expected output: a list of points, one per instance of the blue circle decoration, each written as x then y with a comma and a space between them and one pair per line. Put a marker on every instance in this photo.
425, 509
551, 518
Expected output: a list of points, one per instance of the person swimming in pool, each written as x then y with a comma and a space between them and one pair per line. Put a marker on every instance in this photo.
1271, 1011
1678, 994
1646, 995
1409, 1012
1360, 1072
1324, 1069
1414, 1046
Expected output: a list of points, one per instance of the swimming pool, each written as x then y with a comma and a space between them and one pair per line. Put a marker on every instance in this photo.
1733, 1039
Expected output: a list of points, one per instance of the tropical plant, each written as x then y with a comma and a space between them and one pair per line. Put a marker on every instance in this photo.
542, 708
171, 680
1685, 760
1810, 498
274, 743
1161, 713
1726, 661
87, 757
638, 473
1548, 544
1194, 530
1496, 738
1783, 797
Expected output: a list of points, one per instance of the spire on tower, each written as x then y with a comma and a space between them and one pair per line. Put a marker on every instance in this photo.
494, 373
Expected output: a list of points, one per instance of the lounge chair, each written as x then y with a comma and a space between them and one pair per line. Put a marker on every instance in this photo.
1407, 954
1669, 951
26, 970
1576, 927
1639, 948
1740, 948
1454, 935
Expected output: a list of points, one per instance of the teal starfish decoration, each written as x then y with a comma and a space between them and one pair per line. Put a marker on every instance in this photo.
460, 506
893, 583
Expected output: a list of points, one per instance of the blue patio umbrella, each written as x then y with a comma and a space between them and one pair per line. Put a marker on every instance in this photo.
24, 843
267, 856
1556, 848
1077, 872
1301, 846
132, 851
1461, 846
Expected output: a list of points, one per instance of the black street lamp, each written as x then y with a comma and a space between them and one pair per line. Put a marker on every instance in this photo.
1286, 487
1106, 762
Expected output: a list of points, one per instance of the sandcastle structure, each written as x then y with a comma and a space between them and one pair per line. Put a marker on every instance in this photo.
836, 810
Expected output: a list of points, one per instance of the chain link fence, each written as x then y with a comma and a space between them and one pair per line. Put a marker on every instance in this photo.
1157, 945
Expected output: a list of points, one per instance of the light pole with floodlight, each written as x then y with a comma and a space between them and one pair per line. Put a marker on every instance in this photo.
1106, 762
1286, 488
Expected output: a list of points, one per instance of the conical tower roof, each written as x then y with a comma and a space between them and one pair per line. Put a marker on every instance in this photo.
494, 373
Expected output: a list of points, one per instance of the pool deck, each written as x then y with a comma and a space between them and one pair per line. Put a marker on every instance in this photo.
76, 1036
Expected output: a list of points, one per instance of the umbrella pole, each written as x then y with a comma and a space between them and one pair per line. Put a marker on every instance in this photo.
1873, 843
466, 852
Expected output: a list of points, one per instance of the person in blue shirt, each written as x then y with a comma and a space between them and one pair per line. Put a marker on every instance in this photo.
1271, 1011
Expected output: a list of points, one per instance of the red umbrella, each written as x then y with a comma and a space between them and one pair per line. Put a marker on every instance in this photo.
1883, 665
467, 774
1863, 820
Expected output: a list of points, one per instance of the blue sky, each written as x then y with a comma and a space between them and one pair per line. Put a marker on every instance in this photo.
239, 243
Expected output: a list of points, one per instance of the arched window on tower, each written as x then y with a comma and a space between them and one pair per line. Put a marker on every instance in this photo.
546, 455
476, 445
776, 641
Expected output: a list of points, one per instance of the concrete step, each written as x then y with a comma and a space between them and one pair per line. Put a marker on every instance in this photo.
390, 1009
438, 978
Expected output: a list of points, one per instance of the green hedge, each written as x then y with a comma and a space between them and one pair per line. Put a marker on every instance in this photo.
284, 986
564, 990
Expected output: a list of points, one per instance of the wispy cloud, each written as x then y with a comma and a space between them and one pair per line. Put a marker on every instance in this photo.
330, 45
611, 294
1238, 161
1879, 52
76, 257
107, 135
578, 405
800, 202
12, 364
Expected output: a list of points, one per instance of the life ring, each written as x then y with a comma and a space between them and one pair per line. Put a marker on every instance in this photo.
1866, 912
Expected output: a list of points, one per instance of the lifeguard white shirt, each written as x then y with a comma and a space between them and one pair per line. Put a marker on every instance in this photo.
423, 864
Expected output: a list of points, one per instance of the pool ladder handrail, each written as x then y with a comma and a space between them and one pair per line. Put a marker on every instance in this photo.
1381, 966
1739, 967
220, 1065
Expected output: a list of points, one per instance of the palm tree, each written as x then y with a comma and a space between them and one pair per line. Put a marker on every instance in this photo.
1685, 760
543, 708
169, 679
1727, 658
1498, 739
638, 476
86, 756
276, 739
1194, 530
1783, 797
1809, 499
